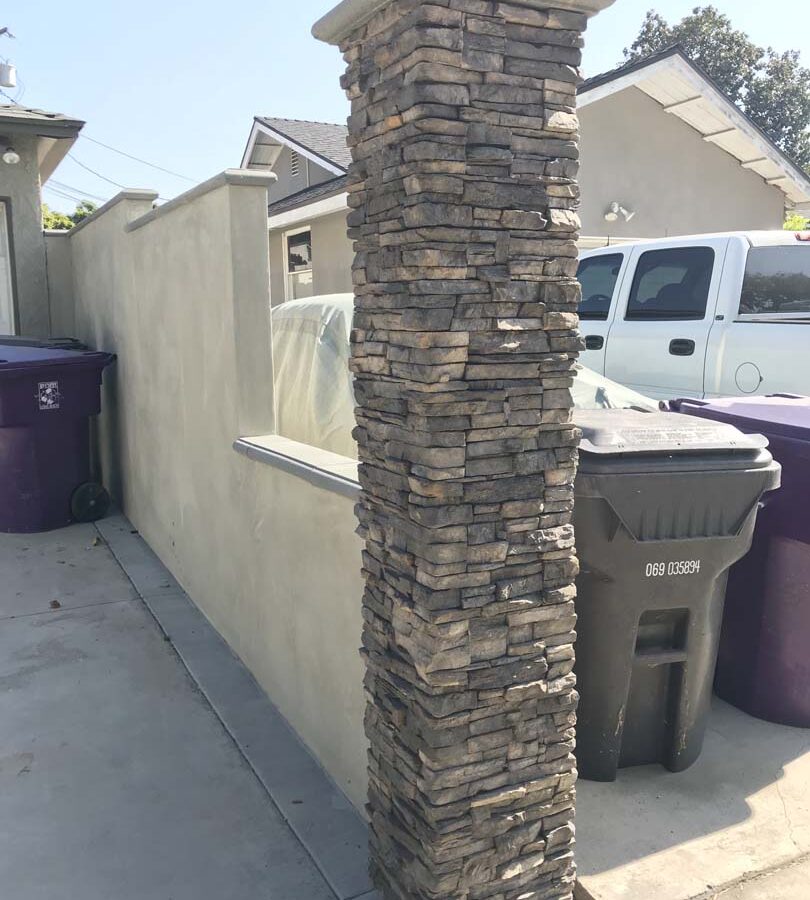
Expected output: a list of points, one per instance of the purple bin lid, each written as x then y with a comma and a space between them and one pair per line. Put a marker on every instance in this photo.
786, 415
18, 358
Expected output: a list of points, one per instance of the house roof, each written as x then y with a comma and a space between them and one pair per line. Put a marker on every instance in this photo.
322, 142
310, 195
684, 89
18, 119
54, 132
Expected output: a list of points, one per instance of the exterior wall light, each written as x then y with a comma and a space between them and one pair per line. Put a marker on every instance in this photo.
615, 210
11, 157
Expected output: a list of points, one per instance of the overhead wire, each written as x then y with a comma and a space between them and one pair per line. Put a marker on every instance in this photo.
102, 177
137, 158
97, 174
112, 149
68, 187
64, 195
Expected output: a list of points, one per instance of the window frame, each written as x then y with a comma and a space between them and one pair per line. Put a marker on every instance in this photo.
285, 246
634, 283
11, 276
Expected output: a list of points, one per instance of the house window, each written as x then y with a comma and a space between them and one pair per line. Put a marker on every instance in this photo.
672, 284
298, 261
295, 164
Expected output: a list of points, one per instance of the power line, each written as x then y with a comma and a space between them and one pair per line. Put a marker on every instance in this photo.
97, 174
67, 187
65, 196
102, 177
137, 159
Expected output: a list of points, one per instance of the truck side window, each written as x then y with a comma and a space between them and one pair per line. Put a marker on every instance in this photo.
597, 275
777, 281
671, 284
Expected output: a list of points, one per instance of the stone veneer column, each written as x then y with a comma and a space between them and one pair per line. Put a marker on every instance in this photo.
464, 138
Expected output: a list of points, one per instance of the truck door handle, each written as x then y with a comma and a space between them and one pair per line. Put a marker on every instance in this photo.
594, 342
681, 347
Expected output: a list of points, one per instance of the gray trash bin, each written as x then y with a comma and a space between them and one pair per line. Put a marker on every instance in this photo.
665, 504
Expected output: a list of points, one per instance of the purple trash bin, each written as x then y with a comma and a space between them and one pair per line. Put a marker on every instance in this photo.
46, 398
764, 661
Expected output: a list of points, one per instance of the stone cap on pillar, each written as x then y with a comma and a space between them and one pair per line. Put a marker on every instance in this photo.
349, 15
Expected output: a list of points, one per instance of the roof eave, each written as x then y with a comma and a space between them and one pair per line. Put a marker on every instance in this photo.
260, 125
675, 60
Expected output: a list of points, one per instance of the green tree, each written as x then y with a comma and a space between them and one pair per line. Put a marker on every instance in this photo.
772, 88
83, 210
57, 221
53, 220
796, 222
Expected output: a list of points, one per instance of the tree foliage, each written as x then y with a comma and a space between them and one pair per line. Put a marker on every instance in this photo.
796, 222
57, 221
772, 88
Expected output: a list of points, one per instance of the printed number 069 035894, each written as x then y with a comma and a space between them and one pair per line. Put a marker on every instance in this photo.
680, 567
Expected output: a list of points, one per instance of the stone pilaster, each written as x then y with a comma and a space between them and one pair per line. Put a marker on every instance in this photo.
463, 211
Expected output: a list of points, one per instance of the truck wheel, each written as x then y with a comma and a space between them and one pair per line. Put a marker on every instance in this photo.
89, 502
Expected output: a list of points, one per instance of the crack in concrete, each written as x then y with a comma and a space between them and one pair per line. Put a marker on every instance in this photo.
781, 796
718, 891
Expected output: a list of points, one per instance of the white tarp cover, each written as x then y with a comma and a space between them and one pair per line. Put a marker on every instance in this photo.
313, 385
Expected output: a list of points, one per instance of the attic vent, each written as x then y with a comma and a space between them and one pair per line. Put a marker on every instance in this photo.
295, 164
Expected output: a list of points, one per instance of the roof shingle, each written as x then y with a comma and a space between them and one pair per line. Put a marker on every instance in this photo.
309, 195
322, 138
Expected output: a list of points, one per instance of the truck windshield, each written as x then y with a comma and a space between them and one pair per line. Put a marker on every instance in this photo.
597, 275
777, 282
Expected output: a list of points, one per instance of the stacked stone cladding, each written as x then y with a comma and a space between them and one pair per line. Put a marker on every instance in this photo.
463, 133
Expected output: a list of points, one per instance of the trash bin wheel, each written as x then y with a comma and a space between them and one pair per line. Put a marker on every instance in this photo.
89, 502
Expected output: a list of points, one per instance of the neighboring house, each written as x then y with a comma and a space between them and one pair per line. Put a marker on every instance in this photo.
310, 160
663, 151
32, 144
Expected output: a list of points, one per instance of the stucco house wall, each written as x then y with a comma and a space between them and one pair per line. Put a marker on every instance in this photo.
20, 190
658, 166
332, 256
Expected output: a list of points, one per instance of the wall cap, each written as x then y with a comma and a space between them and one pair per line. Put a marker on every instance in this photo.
321, 468
244, 177
350, 15
127, 194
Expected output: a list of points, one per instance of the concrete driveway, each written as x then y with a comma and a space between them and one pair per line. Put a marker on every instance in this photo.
117, 778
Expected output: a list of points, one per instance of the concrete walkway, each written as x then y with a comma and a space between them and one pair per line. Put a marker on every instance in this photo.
117, 777
139, 760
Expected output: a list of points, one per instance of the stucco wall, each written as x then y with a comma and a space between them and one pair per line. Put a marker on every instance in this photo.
19, 187
658, 166
271, 559
332, 256
60, 283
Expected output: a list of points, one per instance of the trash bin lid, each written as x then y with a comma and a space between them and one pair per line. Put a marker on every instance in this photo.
785, 415
619, 432
16, 359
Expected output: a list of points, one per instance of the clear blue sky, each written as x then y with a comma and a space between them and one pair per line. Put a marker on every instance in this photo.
178, 83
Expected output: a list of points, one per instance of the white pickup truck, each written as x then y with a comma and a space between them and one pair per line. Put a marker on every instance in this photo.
701, 316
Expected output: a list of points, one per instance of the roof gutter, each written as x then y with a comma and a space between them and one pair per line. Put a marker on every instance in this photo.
349, 15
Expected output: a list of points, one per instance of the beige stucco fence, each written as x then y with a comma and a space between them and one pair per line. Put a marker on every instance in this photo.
181, 294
